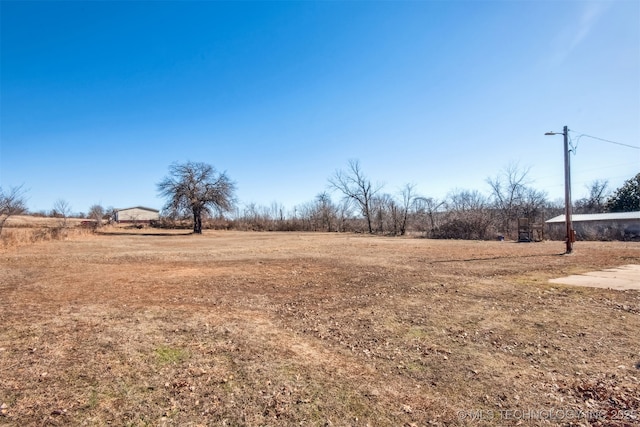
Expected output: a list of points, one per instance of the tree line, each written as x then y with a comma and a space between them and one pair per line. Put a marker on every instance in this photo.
197, 191
199, 196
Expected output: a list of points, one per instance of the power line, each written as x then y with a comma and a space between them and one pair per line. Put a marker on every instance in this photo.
606, 140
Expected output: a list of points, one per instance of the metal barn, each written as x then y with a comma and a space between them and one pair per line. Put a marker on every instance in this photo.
602, 226
137, 214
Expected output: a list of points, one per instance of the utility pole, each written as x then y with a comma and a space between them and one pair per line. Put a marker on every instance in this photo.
567, 190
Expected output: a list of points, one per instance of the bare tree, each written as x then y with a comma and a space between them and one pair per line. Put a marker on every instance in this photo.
385, 213
467, 216
62, 210
429, 208
509, 189
196, 188
96, 213
356, 187
408, 195
11, 203
595, 201
343, 213
277, 211
326, 210
533, 203
110, 214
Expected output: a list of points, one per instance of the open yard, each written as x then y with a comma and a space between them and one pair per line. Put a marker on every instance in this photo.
281, 329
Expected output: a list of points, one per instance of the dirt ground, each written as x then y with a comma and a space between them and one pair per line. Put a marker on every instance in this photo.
281, 329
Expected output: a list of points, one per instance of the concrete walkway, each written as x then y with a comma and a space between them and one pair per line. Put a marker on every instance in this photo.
621, 278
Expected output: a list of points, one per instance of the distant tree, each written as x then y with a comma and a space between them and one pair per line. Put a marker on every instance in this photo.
96, 213
408, 195
596, 200
509, 191
326, 211
110, 213
533, 203
61, 210
343, 213
385, 214
427, 209
467, 216
12, 202
196, 188
356, 187
277, 211
626, 198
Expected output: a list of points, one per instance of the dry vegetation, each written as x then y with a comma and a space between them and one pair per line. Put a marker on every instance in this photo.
241, 328
21, 230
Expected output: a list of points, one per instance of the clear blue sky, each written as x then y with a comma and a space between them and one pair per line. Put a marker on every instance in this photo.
99, 98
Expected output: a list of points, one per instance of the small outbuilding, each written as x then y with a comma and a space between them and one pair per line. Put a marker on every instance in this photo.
137, 214
601, 226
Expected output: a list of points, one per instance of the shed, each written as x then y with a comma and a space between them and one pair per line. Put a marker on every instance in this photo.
616, 225
138, 214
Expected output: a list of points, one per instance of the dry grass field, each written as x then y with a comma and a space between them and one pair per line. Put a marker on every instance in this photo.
268, 329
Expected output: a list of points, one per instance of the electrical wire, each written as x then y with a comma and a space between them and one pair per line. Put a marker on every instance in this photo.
606, 140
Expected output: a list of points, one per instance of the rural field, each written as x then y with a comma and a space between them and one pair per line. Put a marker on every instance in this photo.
281, 329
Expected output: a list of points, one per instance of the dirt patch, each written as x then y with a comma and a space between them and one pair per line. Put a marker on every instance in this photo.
232, 328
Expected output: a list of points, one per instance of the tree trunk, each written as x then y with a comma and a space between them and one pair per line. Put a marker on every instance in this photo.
403, 224
197, 221
367, 214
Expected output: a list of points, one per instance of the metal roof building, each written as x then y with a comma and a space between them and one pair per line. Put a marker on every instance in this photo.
136, 214
600, 226
614, 216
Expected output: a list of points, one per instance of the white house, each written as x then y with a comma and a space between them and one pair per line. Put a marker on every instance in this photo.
617, 225
136, 214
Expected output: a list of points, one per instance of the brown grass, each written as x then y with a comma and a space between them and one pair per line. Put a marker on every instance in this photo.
23, 230
28, 221
234, 328
25, 236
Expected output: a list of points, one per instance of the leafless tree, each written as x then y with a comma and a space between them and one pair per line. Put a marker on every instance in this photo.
356, 187
533, 204
427, 209
467, 216
61, 210
343, 214
408, 195
12, 202
385, 214
326, 211
277, 211
595, 201
96, 213
196, 188
509, 191
466, 201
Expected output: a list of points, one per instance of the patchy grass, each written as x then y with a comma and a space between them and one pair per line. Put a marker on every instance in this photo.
166, 354
313, 329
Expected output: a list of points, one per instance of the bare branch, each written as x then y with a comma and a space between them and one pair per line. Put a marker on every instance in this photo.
11, 203
356, 187
196, 188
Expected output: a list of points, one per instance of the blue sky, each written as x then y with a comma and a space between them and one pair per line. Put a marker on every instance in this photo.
99, 98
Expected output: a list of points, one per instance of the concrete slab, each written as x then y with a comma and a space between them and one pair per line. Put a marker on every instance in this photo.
622, 278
